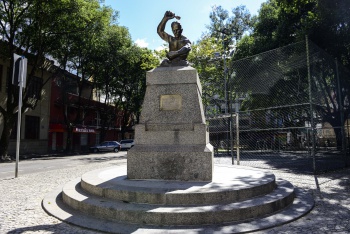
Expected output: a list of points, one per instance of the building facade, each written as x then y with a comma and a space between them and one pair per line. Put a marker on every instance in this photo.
77, 118
34, 122
60, 105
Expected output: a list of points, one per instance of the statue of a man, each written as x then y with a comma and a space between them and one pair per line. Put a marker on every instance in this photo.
179, 46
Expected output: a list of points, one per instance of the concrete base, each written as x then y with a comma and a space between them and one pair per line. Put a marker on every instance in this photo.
171, 140
239, 199
182, 163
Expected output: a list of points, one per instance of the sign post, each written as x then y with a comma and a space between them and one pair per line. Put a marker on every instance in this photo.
19, 78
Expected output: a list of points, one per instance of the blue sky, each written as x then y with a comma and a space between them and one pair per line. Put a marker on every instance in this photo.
142, 17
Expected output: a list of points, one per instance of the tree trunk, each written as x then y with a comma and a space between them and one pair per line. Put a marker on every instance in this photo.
5, 136
337, 127
338, 137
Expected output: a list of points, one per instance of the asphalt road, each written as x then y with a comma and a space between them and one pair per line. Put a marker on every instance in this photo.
28, 166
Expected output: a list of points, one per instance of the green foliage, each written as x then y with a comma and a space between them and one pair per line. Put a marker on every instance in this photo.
36, 29
327, 24
119, 71
83, 37
281, 22
210, 69
230, 28
226, 29
160, 54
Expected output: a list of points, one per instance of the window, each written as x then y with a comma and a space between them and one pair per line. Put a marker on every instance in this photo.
98, 119
32, 127
97, 139
34, 87
72, 87
84, 139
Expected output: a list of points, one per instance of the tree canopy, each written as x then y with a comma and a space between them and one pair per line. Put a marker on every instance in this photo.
281, 22
83, 38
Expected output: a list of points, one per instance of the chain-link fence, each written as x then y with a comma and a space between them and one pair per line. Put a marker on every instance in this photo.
287, 108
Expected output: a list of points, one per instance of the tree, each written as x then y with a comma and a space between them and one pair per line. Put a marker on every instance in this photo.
26, 31
120, 74
109, 53
230, 28
130, 83
263, 36
281, 22
210, 56
78, 55
210, 71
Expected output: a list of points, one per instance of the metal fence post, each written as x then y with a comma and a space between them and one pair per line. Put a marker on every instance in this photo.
312, 122
341, 109
231, 138
237, 131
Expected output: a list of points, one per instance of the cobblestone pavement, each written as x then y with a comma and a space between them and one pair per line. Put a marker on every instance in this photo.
21, 211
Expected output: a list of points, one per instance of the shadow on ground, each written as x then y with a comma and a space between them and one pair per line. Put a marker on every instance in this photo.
294, 162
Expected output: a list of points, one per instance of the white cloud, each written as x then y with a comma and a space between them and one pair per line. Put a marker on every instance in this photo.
141, 42
162, 47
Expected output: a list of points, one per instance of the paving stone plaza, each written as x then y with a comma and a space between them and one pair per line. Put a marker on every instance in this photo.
21, 210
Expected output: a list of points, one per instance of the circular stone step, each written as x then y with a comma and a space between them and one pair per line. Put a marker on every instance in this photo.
229, 184
88, 205
155, 214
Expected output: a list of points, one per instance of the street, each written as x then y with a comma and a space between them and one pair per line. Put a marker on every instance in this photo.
21, 198
28, 166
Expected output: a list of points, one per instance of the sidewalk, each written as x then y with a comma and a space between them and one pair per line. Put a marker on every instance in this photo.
21, 211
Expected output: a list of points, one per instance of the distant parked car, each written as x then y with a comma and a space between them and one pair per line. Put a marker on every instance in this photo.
127, 144
106, 146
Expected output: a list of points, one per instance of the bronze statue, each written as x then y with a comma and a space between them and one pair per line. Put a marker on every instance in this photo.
179, 45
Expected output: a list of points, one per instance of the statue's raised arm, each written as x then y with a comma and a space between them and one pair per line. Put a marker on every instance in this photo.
179, 45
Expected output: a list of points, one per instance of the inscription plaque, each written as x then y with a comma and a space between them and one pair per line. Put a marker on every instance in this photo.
170, 102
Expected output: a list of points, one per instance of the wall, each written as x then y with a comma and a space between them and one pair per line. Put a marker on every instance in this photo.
42, 110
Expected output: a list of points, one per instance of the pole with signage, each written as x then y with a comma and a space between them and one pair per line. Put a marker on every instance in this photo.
19, 78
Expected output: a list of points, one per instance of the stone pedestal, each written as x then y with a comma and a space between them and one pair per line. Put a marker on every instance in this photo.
171, 141
170, 185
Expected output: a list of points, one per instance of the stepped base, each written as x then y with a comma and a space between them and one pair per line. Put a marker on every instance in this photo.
53, 204
171, 162
239, 199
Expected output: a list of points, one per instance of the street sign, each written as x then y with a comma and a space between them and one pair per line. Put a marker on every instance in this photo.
19, 73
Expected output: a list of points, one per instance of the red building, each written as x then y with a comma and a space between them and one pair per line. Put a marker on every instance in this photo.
77, 119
